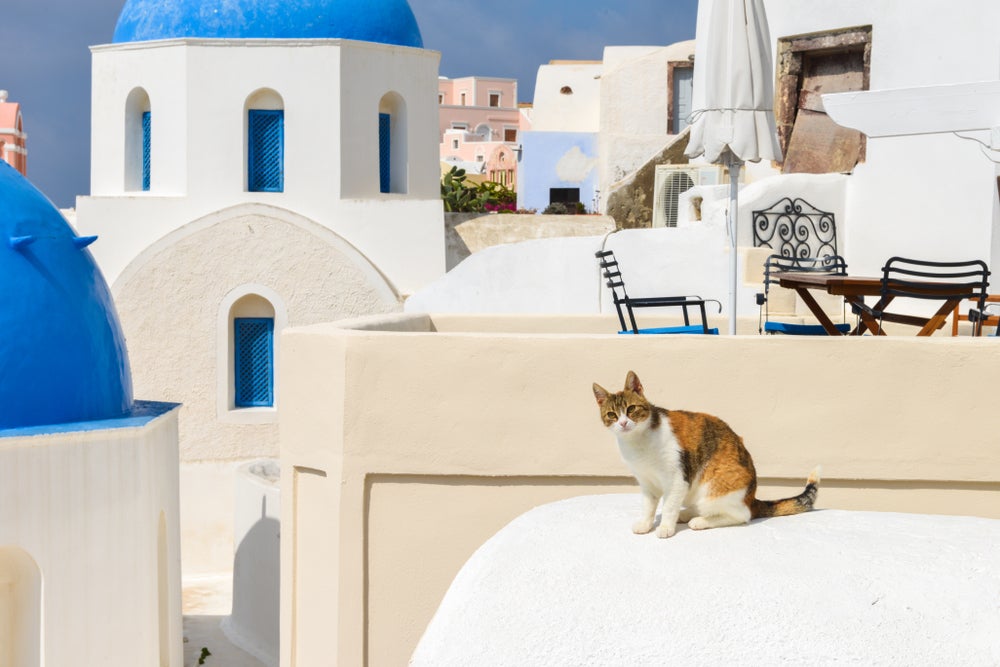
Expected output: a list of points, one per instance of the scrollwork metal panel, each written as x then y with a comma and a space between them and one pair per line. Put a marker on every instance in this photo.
795, 228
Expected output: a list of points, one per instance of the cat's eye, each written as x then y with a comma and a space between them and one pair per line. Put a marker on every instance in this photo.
611, 415
629, 410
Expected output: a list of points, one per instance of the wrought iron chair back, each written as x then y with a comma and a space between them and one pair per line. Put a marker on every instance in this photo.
795, 228
626, 305
938, 281
778, 264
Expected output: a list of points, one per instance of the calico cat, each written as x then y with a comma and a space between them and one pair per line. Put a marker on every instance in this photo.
688, 459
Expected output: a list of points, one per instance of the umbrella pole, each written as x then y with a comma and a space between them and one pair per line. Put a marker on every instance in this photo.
733, 165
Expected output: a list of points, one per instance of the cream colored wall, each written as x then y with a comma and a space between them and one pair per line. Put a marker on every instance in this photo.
185, 278
96, 510
402, 452
193, 276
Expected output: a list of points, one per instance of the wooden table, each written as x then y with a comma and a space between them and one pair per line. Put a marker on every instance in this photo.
854, 289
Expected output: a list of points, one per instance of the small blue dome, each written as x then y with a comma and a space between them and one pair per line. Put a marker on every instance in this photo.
62, 352
384, 21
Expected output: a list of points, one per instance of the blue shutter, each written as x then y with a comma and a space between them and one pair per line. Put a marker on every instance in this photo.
266, 136
146, 141
384, 173
253, 349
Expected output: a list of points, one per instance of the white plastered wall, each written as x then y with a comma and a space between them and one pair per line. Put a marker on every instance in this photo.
330, 90
174, 303
577, 111
634, 106
929, 196
86, 507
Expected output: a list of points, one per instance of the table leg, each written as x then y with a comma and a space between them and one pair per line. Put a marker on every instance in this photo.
867, 320
937, 320
818, 311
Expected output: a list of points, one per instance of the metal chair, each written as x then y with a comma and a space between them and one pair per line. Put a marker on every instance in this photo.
625, 304
982, 317
777, 264
949, 282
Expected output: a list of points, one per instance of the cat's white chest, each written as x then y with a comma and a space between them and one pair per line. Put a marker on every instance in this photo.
652, 455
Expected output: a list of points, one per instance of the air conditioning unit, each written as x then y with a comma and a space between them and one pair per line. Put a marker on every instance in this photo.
673, 179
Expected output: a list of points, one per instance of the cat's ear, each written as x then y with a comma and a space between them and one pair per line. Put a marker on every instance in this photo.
600, 393
632, 382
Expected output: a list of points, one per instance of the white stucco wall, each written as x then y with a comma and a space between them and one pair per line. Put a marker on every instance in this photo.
561, 275
578, 111
634, 106
198, 90
96, 510
169, 301
826, 587
929, 196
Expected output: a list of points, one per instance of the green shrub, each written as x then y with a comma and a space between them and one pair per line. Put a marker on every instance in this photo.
462, 197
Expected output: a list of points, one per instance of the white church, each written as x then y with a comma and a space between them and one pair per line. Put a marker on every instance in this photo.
255, 165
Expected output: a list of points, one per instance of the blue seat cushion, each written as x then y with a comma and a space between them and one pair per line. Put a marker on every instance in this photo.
688, 329
803, 329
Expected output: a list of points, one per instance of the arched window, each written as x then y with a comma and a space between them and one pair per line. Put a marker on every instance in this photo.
253, 352
253, 362
138, 141
250, 318
392, 144
265, 141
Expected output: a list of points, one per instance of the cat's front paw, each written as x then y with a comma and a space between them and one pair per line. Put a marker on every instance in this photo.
666, 530
642, 526
698, 523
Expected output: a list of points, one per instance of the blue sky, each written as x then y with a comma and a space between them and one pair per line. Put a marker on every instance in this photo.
45, 61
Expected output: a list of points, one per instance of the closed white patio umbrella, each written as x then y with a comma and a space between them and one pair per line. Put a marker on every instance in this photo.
734, 122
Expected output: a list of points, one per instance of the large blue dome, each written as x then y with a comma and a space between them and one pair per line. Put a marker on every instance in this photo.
384, 21
62, 352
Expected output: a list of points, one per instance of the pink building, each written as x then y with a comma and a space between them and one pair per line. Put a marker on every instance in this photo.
480, 125
12, 136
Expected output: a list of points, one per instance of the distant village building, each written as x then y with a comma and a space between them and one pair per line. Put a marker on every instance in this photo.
12, 137
480, 126
600, 127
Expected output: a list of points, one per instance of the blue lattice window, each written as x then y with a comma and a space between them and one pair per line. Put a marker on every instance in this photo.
265, 163
253, 348
146, 142
384, 153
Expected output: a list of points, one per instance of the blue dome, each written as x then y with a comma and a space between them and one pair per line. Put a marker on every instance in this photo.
62, 352
384, 21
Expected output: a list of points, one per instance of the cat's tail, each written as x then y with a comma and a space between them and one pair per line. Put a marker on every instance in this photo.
796, 505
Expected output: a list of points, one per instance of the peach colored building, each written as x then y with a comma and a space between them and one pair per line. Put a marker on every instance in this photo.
480, 126
12, 136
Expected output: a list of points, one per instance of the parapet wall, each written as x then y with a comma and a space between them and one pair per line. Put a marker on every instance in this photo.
403, 450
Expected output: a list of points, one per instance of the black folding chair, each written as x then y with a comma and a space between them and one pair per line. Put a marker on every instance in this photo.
625, 304
778, 264
949, 282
